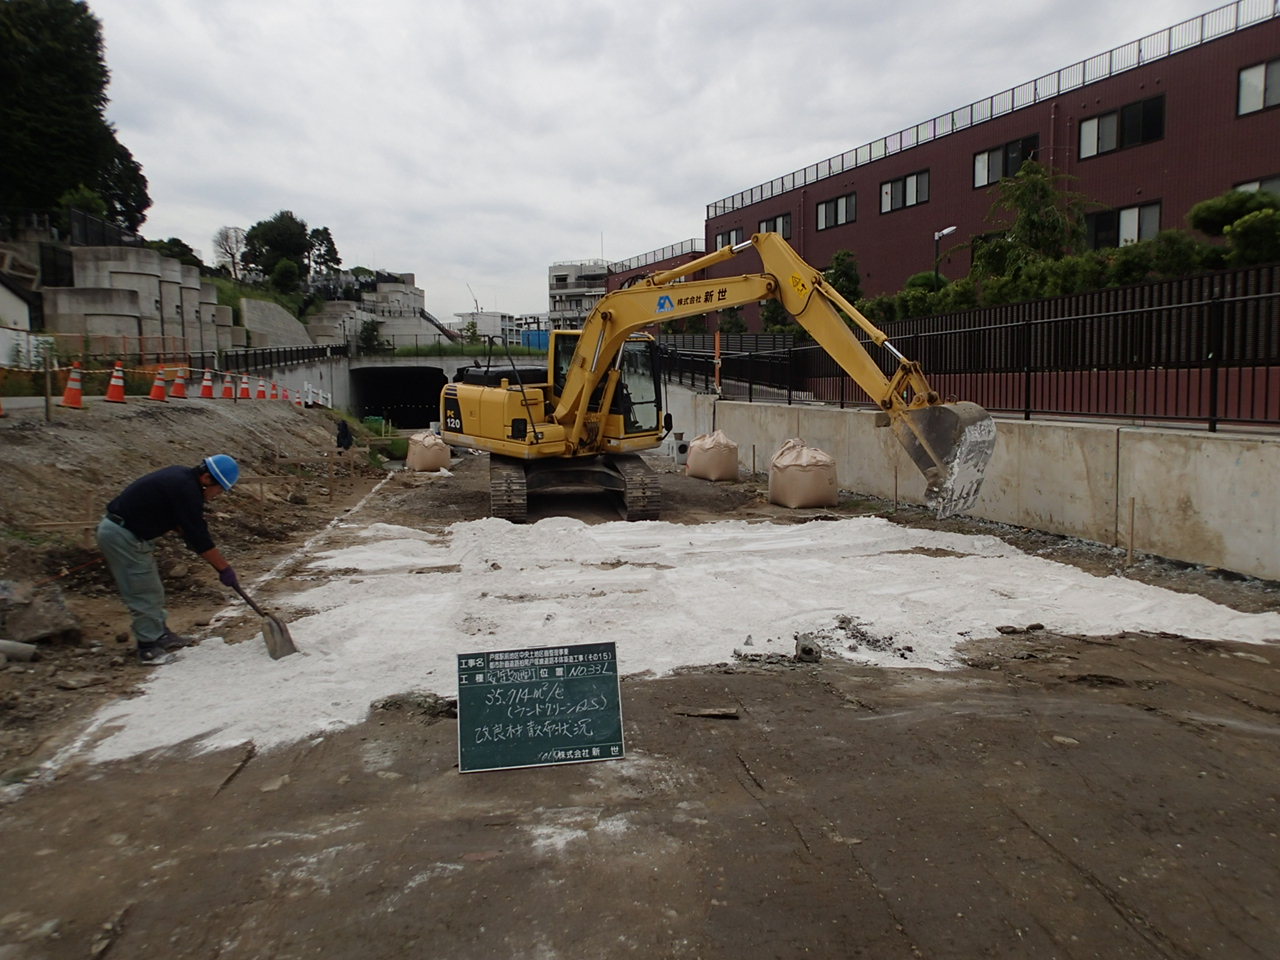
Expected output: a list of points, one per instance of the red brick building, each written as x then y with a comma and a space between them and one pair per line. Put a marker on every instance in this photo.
1146, 130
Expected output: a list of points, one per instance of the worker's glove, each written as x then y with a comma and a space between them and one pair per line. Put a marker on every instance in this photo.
228, 577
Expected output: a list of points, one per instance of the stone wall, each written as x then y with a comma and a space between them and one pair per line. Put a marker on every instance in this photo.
271, 325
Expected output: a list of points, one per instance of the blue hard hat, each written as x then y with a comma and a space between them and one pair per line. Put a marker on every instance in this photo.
223, 469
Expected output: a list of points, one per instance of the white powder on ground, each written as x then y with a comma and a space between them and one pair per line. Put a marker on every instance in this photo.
669, 595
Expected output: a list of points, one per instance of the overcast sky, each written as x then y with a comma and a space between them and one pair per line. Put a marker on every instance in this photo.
474, 143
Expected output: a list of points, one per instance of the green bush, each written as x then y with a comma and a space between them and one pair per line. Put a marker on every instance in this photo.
1255, 238
1176, 253
1215, 215
1131, 263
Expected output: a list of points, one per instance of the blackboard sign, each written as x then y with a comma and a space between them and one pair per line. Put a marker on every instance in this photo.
545, 705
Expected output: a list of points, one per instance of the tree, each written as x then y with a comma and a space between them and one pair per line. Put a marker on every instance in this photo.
1215, 215
471, 332
367, 338
56, 137
324, 254
775, 319
730, 321
1255, 238
124, 188
83, 198
228, 246
1040, 220
178, 250
283, 237
843, 275
284, 276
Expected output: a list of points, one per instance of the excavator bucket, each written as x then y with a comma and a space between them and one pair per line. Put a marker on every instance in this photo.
951, 443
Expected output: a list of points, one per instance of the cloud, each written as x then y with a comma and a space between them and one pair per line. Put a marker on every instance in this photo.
476, 142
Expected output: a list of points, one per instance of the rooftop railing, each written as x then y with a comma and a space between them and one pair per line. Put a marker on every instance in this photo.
1182, 36
694, 245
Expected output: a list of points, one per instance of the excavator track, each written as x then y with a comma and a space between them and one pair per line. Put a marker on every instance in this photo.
642, 495
508, 493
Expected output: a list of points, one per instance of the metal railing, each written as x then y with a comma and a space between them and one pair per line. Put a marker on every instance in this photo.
1206, 361
671, 250
1181, 36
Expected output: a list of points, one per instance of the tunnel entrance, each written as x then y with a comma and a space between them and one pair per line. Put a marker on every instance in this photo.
409, 397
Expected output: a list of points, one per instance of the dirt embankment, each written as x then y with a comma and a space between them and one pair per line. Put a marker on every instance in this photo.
65, 471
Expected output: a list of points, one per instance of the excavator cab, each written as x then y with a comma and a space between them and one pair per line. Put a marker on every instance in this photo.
637, 398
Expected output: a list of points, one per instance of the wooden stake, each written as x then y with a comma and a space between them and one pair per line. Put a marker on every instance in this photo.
1129, 559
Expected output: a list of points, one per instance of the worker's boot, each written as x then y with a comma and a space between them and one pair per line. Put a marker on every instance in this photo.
173, 641
153, 655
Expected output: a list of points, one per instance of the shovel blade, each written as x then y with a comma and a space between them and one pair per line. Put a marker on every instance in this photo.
951, 444
276, 634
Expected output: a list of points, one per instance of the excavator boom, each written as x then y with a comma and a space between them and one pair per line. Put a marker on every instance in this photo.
584, 408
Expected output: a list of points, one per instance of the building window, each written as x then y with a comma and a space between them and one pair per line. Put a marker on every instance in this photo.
990, 166
1119, 228
1259, 87
779, 224
841, 210
904, 192
1130, 126
729, 238
1270, 184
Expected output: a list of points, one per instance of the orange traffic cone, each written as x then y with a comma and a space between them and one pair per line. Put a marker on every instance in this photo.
2, 413
115, 389
262, 389
179, 388
297, 400
73, 396
244, 388
157, 388
284, 394
275, 391
206, 386
228, 388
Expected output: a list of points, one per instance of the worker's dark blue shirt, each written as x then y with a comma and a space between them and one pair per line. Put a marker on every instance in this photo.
168, 499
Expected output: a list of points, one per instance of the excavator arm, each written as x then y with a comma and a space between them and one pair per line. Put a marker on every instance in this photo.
950, 443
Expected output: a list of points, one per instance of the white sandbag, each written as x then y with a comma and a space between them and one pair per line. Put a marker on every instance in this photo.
712, 456
426, 452
801, 476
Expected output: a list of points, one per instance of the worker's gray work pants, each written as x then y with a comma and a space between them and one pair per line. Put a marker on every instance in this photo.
133, 564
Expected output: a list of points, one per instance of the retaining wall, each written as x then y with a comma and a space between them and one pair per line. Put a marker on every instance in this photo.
1197, 497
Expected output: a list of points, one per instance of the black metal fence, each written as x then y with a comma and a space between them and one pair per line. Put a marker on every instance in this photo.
268, 358
1205, 349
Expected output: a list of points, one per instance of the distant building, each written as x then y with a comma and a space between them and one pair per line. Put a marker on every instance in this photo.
574, 287
489, 323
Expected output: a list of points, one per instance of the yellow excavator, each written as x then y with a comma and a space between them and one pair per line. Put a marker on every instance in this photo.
586, 417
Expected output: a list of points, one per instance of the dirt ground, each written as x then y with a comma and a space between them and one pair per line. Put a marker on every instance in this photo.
1055, 797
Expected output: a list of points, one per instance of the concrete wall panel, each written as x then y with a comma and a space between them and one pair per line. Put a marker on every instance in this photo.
1202, 498
270, 325
1053, 476
1197, 497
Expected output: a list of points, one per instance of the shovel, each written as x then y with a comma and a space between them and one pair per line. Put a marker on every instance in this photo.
279, 643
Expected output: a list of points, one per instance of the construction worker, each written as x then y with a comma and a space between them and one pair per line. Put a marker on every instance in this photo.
169, 499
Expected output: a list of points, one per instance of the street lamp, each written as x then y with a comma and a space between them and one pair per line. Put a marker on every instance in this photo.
937, 236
